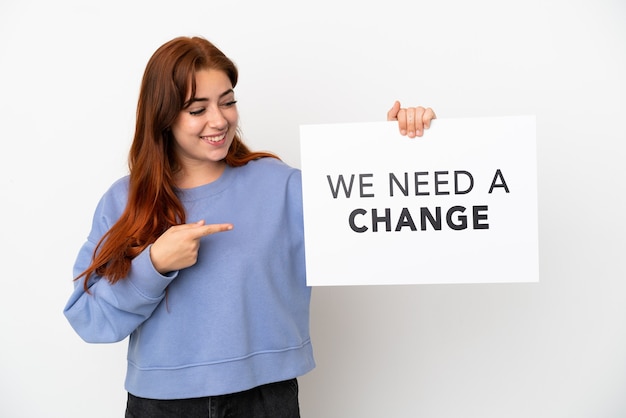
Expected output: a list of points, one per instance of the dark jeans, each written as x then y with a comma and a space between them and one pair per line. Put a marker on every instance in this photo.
275, 400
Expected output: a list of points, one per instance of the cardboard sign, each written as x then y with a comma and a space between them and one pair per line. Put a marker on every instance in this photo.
458, 205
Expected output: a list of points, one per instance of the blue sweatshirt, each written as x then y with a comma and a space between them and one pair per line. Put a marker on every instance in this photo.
237, 319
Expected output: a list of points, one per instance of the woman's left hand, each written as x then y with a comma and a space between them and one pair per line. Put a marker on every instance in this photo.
411, 120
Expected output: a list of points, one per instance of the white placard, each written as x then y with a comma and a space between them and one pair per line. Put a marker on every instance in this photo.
458, 205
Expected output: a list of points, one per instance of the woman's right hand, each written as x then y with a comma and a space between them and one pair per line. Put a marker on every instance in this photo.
178, 247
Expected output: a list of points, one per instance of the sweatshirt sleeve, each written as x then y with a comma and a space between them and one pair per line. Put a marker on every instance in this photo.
111, 312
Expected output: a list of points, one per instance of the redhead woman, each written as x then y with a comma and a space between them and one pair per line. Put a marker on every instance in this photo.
198, 254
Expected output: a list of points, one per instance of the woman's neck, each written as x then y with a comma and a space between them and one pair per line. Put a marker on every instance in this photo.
199, 175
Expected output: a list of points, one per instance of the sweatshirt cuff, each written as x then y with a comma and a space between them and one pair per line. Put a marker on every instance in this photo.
146, 279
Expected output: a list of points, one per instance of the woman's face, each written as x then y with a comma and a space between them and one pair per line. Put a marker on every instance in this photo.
204, 130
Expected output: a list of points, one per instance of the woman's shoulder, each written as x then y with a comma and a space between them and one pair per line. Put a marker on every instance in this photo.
270, 173
119, 187
116, 195
271, 166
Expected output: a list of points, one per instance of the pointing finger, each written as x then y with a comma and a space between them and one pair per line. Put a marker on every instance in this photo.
210, 229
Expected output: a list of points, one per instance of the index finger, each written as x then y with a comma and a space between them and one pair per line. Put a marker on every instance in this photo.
210, 229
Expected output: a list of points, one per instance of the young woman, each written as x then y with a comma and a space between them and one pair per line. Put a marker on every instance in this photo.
198, 254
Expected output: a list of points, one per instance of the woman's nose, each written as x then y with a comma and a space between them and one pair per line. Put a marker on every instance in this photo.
216, 119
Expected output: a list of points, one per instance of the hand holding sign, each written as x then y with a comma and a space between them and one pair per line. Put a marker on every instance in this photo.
178, 247
413, 120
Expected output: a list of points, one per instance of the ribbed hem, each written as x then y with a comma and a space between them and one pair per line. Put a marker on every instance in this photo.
220, 378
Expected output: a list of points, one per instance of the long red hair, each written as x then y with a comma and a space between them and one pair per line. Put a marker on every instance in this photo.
153, 205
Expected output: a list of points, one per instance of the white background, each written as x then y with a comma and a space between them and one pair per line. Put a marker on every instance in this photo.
70, 77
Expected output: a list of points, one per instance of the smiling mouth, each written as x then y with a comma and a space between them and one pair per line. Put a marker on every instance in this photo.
214, 139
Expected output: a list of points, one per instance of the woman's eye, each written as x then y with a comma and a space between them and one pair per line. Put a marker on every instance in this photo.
196, 112
229, 104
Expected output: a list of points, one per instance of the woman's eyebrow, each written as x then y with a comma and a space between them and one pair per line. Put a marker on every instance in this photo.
204, 99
